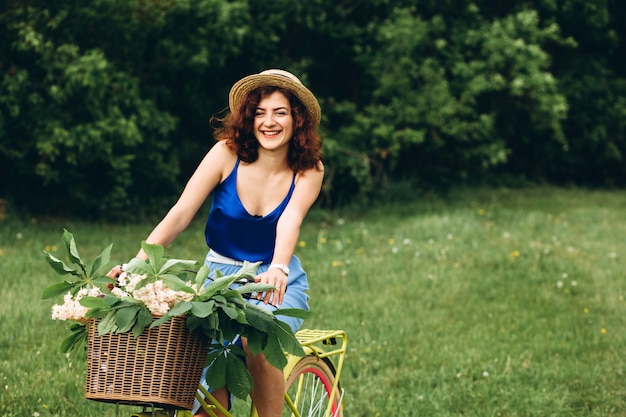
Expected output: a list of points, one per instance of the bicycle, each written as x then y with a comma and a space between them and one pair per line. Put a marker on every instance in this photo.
312, 382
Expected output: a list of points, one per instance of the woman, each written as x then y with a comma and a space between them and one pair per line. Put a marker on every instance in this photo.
264, 173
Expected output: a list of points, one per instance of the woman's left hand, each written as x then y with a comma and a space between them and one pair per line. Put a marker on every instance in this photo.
278, 279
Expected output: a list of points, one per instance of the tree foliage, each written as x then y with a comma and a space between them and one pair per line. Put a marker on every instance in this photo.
105, 105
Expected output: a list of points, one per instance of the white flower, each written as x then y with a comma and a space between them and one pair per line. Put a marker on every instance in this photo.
129, 281
71, 308
159, 298
118, 292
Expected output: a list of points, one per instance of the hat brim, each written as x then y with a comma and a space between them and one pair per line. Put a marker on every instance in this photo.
243, 87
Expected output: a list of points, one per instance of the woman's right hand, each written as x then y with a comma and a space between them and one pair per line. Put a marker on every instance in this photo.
114, 273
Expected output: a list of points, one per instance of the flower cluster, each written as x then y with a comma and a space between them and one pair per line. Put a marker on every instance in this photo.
71, 309
157, 296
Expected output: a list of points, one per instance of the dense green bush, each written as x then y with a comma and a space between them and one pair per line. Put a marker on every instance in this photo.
451, 93
77, 132
105, 105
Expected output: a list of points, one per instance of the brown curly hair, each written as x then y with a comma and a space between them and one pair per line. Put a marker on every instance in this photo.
237, 129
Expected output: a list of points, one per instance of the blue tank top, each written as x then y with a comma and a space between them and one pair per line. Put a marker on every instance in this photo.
233, 232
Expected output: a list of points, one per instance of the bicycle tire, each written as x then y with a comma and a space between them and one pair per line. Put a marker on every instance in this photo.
309, 386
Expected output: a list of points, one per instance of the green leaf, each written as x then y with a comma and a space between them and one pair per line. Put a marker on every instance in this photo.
96, 313
274, 353
110, 301
161, 320
181, 308
75, 339
176, 263
255, 287
228, 327
101, 261
72, 251
138, 266
144, 318
202, 309
193, 322
107, 324
212, 322
229, 310
92, 302
125, 318
201, 276
260, 318
59, 266
178, 310
287, 339
176, 284
238, 379
102, 280
54, 290
217, 361
248, 270
155, 255
256, 341
218, 285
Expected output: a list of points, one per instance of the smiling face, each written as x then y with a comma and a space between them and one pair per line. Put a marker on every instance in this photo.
273, 122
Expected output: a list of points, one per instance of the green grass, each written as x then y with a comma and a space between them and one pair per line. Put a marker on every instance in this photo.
485, 303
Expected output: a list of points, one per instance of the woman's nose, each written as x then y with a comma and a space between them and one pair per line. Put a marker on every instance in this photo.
269, 120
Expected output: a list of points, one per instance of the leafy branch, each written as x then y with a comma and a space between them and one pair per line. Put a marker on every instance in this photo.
83, 276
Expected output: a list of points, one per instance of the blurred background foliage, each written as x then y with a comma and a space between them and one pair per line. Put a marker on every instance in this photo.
105, 105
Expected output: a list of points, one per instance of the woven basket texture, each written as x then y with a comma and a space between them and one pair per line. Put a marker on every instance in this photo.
162, 367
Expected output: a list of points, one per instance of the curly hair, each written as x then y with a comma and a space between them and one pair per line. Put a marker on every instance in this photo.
237, 129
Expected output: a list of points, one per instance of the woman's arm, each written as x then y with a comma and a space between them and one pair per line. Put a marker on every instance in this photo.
305, 193
207, 176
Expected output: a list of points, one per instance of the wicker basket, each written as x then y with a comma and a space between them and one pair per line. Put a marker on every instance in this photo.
162, 367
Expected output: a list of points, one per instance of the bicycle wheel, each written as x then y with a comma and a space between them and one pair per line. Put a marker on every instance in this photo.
309, 387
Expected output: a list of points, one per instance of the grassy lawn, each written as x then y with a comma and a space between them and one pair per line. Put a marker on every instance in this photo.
485, 303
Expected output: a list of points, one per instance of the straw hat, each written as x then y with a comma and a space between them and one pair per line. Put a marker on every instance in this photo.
275, 78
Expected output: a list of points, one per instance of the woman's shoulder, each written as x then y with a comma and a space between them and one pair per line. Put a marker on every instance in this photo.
218, 161
315, 173
221, 153
223, 149
318, 169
